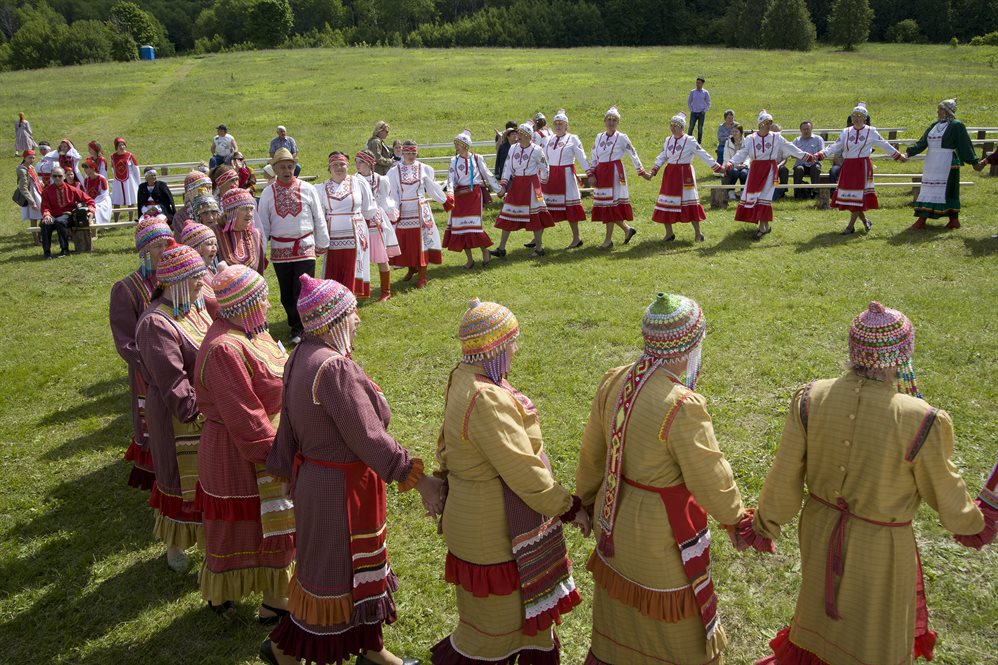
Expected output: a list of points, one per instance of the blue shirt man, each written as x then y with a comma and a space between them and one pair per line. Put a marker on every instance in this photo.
698, 104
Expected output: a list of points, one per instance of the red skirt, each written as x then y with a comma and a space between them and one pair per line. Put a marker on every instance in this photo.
412, 253
561, 195
142, 475
678, 200
464, 228
341, 266
855, 187
756, 204
524, 207
611, 202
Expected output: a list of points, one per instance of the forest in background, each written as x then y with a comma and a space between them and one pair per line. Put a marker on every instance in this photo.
41, 33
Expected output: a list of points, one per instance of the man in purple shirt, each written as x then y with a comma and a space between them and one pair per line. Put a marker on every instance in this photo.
698, 103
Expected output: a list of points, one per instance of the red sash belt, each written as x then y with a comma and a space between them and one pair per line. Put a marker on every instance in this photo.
294, 250
835, 562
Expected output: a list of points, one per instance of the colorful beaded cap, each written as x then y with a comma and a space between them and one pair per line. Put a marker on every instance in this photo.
881, 337
232, 201
179, 263
150, 229
225, 177
205, 203
196, 183
487, 328
673, 327
194, 234
241, 292
323, 304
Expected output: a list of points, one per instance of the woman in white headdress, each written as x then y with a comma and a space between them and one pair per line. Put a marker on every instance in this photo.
382, 242
467, 178
766, 149
523, 175
561, 191
855, 191
611, 199
949, 147
678, 200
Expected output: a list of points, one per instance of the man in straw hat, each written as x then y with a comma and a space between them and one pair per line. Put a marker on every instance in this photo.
869, 450
290, 215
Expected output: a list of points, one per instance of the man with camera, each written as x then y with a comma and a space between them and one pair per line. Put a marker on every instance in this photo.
63, 206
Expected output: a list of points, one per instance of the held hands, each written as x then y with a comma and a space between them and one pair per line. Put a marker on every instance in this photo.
717, 168
727, 166
433, 492
584, 522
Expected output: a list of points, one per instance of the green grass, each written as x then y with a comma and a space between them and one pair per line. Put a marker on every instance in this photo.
81, 579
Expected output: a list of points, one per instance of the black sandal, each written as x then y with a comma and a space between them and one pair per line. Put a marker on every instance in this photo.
530, 245
228, 608
270, 621
630, 234
537, 253
499, 252
574, 245
847, 231
669, 238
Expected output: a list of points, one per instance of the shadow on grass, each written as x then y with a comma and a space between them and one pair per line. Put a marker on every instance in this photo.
826, 240
118, 431
979, 247
112, 396
932, 233
92, 517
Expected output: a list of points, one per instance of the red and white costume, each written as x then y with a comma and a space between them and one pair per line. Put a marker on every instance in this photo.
855, 187
418, 236
383, 244
466, 177
349, 208
561, 191
125, 185
766, 152
525, 170
541, 137
71, 160
98, 189
291, 217
611, 199
678, 199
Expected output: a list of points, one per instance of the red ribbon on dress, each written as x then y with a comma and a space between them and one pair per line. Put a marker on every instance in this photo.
835, 562
296, 241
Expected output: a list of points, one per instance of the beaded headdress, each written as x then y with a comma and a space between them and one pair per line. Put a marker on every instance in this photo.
612, 112
205, 203
410, 147
241, 292
226, 176
324, 306
765, 115
487, 331
860, 108
525, 129
674, 328
178, 264
195, 184
678, 119
150, 229
367, 157
232, 201
561, 115
881, 338
464, 138
194, 234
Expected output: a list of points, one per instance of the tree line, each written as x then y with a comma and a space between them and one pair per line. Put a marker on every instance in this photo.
40, 33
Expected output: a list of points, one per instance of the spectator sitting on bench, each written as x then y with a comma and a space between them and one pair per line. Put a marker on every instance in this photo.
222, 147
58, 202
738, 172
155, 194
809, 143
724, 132
282, 140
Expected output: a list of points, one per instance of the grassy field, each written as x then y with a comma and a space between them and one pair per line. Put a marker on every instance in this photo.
82, 581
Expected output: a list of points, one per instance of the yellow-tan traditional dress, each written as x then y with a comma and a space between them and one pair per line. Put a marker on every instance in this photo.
645, 611
869, 456
491, 435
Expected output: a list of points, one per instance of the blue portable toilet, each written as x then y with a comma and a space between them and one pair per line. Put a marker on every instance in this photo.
147, 52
